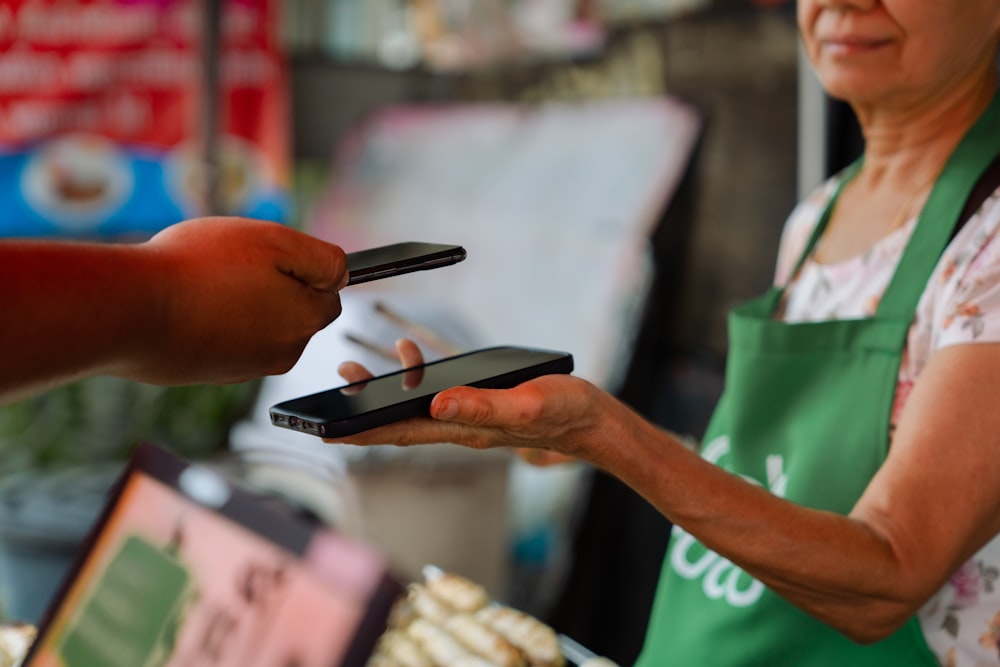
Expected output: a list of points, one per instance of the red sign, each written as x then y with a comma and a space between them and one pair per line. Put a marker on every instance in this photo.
120, 82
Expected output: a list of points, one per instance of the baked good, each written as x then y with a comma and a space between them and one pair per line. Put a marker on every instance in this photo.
15, 639
450, 621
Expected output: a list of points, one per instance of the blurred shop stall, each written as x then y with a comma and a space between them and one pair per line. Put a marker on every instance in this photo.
736, 62
537, 134
124, 117
555, 166
463, 35
556, 205
712, 245
332, 92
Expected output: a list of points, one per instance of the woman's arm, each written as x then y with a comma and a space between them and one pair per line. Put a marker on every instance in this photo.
933, 504
209, 300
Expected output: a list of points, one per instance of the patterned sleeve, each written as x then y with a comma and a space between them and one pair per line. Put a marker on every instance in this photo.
962, 301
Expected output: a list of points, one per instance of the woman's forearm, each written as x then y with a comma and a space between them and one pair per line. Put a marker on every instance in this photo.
842, 570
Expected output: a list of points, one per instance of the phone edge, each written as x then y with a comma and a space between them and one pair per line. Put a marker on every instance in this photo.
451, 254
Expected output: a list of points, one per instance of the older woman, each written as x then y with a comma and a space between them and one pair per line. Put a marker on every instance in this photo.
845, 506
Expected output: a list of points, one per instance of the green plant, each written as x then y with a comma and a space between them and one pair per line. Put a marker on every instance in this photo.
104, 418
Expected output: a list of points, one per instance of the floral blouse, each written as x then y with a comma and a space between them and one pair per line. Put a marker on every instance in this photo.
960, 305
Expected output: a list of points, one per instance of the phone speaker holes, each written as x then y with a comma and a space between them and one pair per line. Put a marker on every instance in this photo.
306, 426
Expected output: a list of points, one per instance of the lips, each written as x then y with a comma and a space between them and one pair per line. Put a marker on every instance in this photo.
851, 44
845, 34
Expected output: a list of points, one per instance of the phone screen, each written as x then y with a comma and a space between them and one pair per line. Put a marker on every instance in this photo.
399, 258
408, 393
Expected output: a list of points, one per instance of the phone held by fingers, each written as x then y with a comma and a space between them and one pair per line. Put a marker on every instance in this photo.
393, 260
407, 393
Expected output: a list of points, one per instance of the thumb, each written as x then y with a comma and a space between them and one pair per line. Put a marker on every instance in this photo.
484, 407
315, 263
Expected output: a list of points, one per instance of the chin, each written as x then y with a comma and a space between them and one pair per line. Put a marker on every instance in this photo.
853, 89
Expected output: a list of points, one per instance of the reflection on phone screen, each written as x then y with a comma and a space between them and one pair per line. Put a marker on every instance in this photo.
410, 379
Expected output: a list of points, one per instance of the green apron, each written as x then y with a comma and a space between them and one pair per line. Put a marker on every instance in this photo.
805, 413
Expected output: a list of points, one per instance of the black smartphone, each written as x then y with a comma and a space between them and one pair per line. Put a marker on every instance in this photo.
399, 258
388, 398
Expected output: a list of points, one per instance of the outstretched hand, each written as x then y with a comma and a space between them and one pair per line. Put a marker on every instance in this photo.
546, 420
240, 298
210, 300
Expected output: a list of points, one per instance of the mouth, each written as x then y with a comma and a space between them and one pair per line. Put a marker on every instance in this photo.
852, 46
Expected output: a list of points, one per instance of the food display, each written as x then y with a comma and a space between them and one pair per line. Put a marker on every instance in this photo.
447, 620
15, 638
444, 621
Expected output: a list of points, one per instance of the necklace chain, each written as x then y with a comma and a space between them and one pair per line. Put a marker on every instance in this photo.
904, 211
898, 220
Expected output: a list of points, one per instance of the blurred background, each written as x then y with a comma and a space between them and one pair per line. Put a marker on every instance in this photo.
619, 171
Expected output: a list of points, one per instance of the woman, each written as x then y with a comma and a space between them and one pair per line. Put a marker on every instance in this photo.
844, 507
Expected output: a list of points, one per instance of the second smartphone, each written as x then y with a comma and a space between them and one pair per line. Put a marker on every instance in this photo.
408, 393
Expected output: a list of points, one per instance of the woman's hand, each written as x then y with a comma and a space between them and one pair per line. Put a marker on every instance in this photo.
410, 356
558, 414
541, 457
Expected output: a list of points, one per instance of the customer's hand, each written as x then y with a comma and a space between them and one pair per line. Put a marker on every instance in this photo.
234, 299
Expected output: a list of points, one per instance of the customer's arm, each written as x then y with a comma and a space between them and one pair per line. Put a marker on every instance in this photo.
212, 300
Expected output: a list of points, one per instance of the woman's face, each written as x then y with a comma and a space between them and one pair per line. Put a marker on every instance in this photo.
885, 51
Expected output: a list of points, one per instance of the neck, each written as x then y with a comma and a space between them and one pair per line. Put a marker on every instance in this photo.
908, 145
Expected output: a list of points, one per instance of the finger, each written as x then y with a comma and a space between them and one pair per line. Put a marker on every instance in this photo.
326, 307
355, 374
497, 408
315, 263
412, 378
416, 431
402, 433
541, 458
412, 360
409, 353
352, 371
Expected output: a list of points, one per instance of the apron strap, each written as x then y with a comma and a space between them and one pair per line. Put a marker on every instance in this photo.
940, 214
845, 177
